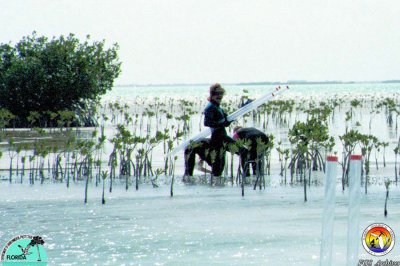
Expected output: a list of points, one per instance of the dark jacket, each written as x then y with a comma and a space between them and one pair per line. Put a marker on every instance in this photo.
252, 134
216, 119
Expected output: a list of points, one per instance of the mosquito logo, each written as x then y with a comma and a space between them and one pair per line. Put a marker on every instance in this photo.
24, 249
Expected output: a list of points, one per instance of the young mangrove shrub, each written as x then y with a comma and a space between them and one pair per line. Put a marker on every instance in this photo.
104, 175
260, 162
280, 156
268, 153
396, 152
154, 180
309, 138
349, 142
367, 143
39, 74
321, 113
354, 104
390, 107
5, 118
86, 149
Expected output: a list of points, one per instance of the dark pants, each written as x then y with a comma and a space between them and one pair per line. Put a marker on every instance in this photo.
201, 148
219, 144
254, 158
255, 161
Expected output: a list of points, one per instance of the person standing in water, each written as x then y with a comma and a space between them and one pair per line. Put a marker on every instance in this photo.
216, 119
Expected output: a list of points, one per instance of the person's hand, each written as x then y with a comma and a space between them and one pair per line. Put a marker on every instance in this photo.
227, 123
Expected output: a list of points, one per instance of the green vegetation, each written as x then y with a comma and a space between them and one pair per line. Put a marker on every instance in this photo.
309, 138
128, 144
42, 81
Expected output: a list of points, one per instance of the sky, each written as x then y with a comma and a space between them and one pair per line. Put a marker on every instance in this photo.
227, 41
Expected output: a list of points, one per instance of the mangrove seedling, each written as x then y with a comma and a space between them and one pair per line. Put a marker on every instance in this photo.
158, 172
349, 141
387, 184
396, 152
104, 175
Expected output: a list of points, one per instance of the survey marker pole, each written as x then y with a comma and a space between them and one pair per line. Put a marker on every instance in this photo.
353, 235
329, 211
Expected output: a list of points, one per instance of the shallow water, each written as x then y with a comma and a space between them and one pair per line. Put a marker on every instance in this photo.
200, 225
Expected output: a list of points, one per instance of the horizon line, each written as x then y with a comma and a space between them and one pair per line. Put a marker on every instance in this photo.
289, 82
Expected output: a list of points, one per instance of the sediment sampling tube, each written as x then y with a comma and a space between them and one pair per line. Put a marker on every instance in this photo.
329, 211
238, 113
353, 235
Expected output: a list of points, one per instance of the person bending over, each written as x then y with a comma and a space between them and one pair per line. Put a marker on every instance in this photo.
256, 150
202, 149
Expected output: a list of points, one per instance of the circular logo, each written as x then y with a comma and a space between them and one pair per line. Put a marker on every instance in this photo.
378, 239
24, 249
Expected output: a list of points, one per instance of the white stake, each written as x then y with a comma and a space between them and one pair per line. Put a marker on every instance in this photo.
329, 211
353, 234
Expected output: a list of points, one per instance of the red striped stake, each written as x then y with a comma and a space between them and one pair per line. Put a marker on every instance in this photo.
329, 211
353, 236
355, 157
331, 158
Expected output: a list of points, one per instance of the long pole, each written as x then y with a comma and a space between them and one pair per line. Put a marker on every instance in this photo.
353, 234
329, 211
238, 113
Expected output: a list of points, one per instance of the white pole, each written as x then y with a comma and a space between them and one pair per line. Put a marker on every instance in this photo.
353, 236
238, 113
329, 211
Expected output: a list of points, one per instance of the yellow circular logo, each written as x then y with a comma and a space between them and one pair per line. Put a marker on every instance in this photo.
378, 239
